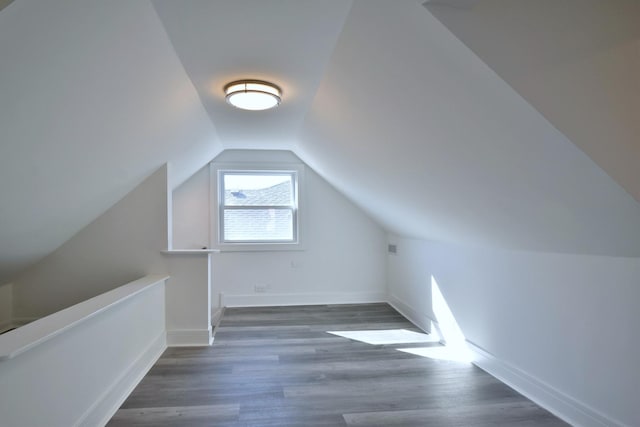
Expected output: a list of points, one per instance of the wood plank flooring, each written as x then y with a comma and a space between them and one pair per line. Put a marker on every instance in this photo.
278, 366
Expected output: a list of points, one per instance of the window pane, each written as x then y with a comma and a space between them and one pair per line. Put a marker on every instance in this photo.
258, 189
258, 225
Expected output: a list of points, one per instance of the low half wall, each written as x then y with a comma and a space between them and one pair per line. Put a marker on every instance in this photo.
76, 366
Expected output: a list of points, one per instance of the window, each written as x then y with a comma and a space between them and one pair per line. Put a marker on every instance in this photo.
258, 209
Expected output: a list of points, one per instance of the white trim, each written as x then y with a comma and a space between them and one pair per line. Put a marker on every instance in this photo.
169, 223
263, 300
45, 328
422, 321
300, 217
190, 337
190, 251
565, 407
106, 406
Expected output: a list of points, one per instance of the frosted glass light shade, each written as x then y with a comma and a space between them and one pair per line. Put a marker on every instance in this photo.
253, 94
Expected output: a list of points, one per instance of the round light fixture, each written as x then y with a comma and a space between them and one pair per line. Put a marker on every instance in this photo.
253, 94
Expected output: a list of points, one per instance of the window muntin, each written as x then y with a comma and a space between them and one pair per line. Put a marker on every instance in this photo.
258, 206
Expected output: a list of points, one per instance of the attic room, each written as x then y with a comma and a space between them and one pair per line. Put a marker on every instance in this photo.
447, 162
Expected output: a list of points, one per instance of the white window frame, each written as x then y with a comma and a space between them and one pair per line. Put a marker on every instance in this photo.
218, 169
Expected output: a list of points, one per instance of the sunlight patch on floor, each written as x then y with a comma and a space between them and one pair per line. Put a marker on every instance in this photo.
388, 336
455, 345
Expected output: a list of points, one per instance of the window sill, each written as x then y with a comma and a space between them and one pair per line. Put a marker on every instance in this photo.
260, 247
190, 251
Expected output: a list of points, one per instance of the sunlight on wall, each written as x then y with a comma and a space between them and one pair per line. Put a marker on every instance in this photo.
448, 344
447, 324
455, 348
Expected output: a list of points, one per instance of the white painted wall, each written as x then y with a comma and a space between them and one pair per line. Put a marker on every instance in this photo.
94, 100
343, 260
121, 245
191, 212
189, 299
81, 376
409, 288
568, 322
6, 306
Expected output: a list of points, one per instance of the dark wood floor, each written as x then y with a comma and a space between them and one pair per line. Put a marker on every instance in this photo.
278, 366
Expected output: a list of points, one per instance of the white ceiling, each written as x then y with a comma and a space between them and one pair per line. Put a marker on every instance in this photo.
287, 42
379, 97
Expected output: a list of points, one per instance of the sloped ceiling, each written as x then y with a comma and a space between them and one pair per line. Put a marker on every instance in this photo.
416, 129
576, 61
406, 121
379, 97
92, 100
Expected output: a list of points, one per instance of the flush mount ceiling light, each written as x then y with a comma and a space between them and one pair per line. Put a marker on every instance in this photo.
252, 94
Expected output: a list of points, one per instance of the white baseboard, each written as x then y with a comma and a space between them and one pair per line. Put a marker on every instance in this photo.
106, 406
261, 300
421, 320
570, 410
189, 337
